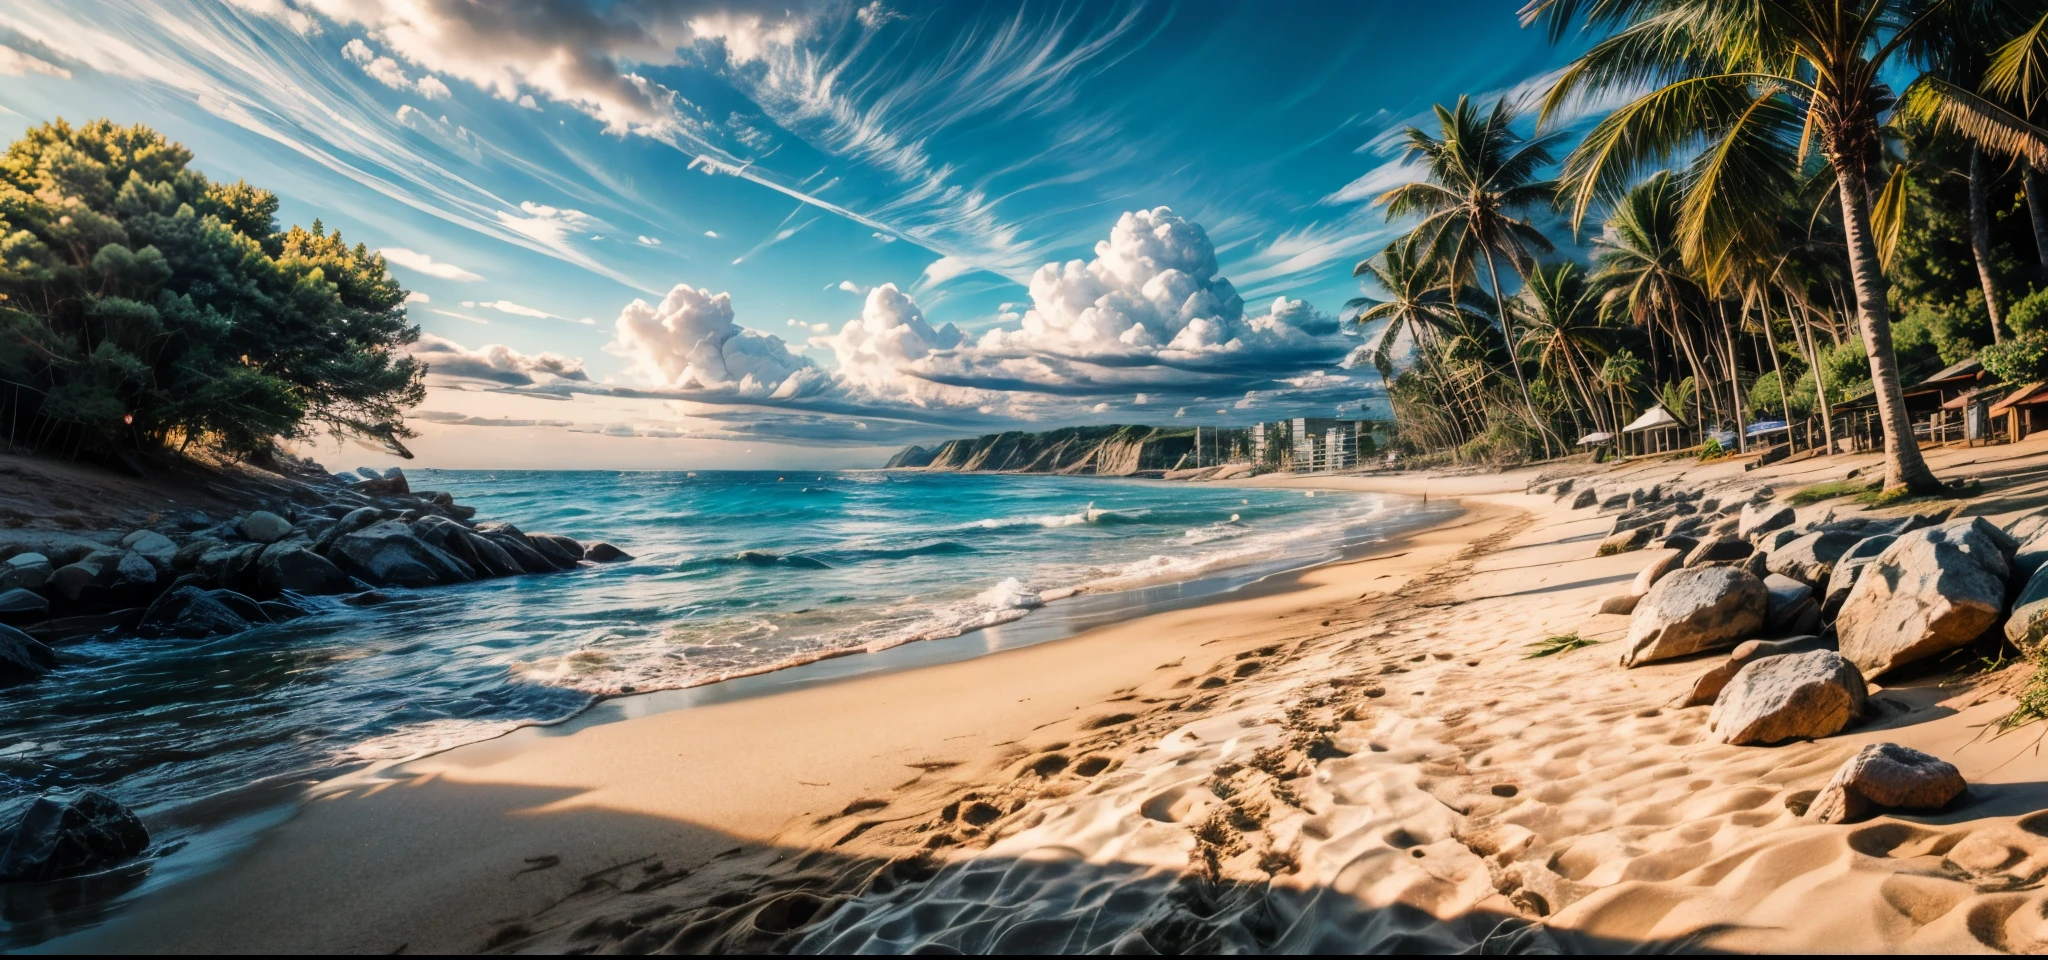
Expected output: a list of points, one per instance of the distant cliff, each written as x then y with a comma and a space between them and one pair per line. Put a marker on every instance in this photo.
1115, 451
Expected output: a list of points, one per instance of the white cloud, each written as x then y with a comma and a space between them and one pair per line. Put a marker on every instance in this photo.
386, 71
942, 270
454, 137
875, 351
15, 63
495, 362
651, 241
418, 297
1141, 400
522, 310
713, 234
550, 226
850, 287
689, 339
432, 88
1102, 407
885, 238
459, 316
874, 15
422, 263
526, 100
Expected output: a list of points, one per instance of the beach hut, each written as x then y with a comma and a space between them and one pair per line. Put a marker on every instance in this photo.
1595, 440
2025, 410
1939, 405
1656, 431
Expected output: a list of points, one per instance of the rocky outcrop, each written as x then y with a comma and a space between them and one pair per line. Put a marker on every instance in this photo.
1761, 518
1931, 591
1795, 696
1695, 610
1657, 570
65, 835
1886, 776
1719, 550
1850, 566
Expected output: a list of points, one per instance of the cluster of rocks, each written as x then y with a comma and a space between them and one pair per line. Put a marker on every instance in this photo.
195, 576
1814, 612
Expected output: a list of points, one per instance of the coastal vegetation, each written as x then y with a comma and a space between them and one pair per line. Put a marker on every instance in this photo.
1764, 228
144, 306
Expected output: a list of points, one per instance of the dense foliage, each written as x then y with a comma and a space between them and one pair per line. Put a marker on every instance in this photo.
142, 304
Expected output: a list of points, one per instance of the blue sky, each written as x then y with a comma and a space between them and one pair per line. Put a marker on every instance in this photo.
837, 218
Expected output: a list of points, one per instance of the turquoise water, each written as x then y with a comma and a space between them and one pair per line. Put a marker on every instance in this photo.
735, 573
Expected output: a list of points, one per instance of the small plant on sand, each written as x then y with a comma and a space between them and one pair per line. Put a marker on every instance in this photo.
1829, 490
2033, 697
1561, 643
1711, 450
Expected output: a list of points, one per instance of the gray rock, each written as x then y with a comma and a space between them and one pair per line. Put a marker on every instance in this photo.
230, 565
1640, 518
1794, 696
26, 571
1850, 566
1886, 776
1776, 538
23, 659
292, 565
72, 580
56, 546
520, 551
1707, 688
490, 556
1931, 591
152, 545
1786, 598
2031, 532
1811, 558
22, 606
602, 552
1678, 541
1695, 610
388, 554
1762, 517
1586, 498
1719, 550
1632, 539
192, 613
67, 834
1657, 570
264, 527
1620, 605
560, 550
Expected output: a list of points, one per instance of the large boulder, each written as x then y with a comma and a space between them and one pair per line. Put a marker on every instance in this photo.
1759, 518
1586, 498
393, 483
26, 571
57, 547
1809, 559
67, 834
22, 606
1719, 550
23, 659
194, 613
1850, 566
1634, 538
387, 553
1930, 592
263, 526
602, 552
562, 551
1886, 776
1695, 610
292, 565
1655, 571
520, 551
1791, 606
230, 565
1708, 686
153, 545
1795, 696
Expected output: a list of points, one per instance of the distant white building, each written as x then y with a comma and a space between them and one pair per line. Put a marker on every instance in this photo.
1314, 444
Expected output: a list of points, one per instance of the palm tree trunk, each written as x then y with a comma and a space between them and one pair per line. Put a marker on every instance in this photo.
2037, 211
1980, 241
1820, 388
1734, 375
1507, 333
1904, 469
1771, 340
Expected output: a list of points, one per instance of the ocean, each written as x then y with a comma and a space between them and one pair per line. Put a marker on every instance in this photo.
735, 574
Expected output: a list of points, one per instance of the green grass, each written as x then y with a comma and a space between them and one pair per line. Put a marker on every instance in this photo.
1562, 643
1830, 490
2033, 698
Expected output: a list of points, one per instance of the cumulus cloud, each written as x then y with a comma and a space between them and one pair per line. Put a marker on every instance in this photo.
876, 352
423, 263
689, 340
497, 363
386, 71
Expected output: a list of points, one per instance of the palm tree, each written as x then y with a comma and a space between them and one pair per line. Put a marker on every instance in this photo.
1643, 274
1418, 304
1481, 175
1562, 333
1759, 83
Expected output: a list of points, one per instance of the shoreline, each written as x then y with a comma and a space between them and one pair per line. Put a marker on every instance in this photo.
1076, 618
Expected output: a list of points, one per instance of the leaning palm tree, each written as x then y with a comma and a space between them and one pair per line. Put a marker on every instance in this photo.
1417, 304
1481, 175
1562, 333
1753, 87
1643, 277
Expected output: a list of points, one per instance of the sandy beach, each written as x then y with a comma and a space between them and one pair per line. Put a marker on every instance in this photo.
1364, 761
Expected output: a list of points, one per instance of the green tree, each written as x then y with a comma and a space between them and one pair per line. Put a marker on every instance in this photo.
141, 303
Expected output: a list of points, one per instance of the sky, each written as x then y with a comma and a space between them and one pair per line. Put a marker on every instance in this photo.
645, 234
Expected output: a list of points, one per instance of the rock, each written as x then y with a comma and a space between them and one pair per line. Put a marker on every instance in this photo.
1754, 563
1931, 591
1762, 518
1695, 610
1776, 539
72, 581
1586, 498
392, 484
1632, 539
292, 565
1787, 599
194, 520
1617, 502
1621, 605
279, 611
387, 553
133, 576
230, 565
1811, 558
519, 550
2031, 532
1849, 567
602, 552
1886, 776
1720, 550
67, 834
22, 606
264, 527
562, 551
490, 556
194, 614
1655, 571
1679, 542
1794, 696
23, 659
1640, 518
57, 547
26, 571
152, 545
1708, 687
